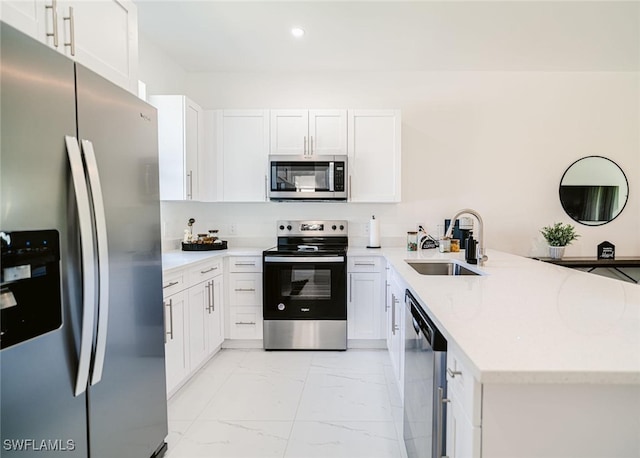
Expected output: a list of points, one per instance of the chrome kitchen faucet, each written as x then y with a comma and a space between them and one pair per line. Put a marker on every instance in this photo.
482, 256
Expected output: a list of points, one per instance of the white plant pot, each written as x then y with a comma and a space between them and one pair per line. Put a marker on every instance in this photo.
556, 252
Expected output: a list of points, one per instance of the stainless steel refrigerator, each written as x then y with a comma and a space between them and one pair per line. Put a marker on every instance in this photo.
82, 326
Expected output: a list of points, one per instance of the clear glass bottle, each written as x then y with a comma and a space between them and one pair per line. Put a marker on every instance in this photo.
412, 241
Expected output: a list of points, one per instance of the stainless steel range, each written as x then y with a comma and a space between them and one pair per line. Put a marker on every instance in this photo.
305, 287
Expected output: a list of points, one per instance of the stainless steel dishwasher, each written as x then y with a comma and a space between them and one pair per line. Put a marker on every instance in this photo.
425, 384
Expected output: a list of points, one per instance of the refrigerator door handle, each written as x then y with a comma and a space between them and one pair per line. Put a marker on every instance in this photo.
103, 259
87, 261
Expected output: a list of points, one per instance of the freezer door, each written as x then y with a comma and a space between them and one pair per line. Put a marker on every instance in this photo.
127, 399
39, 412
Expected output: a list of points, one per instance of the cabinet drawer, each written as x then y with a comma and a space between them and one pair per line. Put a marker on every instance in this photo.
173, 283
245, 289
245, 264
462, 385
245, 323
205, 271
364, 264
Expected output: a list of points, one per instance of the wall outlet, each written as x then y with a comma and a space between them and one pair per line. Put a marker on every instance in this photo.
366, 228
233, 229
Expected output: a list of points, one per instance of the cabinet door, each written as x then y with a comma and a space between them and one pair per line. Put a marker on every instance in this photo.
396, 348
104, 36
374, 155
193, 136
290, 132
176, 349
199, 304
215, 320
31, 17
180, 122
364, 306
327, 132
463, 439
244, 141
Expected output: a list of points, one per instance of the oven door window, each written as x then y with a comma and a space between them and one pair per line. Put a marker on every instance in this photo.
305, 283
301, 176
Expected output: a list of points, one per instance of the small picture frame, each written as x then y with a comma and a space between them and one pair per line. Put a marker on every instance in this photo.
606, 250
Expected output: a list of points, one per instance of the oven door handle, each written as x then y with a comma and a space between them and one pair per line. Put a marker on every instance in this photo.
303, 259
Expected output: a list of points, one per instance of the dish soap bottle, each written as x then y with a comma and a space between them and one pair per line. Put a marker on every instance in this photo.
471, 249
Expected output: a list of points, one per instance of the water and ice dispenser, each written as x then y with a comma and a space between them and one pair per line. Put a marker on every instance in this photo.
30, 297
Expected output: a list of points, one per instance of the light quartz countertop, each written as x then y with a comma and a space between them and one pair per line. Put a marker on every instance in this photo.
526, 321
173, 260
523, 321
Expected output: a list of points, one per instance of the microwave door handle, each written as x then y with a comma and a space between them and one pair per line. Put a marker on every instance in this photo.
87, 261
103, 259
332, 168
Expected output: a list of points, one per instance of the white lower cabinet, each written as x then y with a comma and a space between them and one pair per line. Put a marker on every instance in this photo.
394, 325
364, 298
176, 360
245, 298
194, 319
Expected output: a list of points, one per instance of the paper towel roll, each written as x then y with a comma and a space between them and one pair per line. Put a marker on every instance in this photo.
374, 233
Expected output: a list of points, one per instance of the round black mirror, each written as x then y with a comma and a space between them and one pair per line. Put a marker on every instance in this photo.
594, 190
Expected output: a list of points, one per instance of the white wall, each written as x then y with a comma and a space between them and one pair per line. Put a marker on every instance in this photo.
158, 71
497, 142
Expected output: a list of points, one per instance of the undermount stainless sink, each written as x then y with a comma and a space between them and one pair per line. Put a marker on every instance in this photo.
440, 268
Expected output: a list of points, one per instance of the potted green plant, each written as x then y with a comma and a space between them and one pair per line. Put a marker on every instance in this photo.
558, 237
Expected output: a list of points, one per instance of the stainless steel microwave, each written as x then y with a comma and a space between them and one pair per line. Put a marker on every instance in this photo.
304, 178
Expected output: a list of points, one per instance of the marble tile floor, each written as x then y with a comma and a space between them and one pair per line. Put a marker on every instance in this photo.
288, 404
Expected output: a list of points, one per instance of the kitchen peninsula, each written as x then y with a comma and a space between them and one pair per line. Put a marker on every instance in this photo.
543, 361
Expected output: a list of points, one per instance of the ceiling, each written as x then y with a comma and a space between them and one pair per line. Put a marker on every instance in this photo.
244, 36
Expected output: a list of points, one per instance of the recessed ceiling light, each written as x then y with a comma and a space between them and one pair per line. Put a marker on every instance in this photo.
297, 32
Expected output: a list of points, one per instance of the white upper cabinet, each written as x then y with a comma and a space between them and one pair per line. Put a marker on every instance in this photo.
32, 17
374, 155
309, 132
100, 34
243, 152
180, 143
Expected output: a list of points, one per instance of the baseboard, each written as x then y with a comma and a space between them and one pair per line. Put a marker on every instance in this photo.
380, 344
243, 343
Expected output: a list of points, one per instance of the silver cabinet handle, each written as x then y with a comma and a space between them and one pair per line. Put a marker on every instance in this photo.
170, 332
393, 314
305, 146
364, 264
170, 284
100, 221
349, 195
311, 148
88, 261
238, 264
386, 295
190, 190
72, 31
54, 18
208, 305
250, 323
266, 187
453, 373
245, 289
209, 270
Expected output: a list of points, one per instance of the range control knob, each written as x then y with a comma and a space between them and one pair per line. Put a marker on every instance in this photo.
281, 227
289, 227
281, 306
341, 227
334, 227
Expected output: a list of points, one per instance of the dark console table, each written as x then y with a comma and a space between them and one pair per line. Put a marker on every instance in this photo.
594, 263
